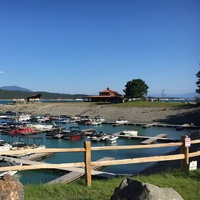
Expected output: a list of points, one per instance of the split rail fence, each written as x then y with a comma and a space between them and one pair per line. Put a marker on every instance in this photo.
88, 164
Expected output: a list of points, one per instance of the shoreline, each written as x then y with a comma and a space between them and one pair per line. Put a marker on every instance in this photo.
110, 112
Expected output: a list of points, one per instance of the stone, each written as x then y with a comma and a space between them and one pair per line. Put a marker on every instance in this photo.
11, 188
135, 190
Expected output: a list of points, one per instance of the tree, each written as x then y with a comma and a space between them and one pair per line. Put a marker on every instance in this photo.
136, 88
198, 83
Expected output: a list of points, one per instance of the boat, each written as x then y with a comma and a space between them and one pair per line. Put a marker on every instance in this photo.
40, 127
121, 120
57, 132
110, 139
129, 133
22, 131
96, 137
28, 142
98, 118
6, 163
74, 133
94, 122
4, 145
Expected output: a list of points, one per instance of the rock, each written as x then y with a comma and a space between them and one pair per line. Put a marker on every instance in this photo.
11, 188
135, 190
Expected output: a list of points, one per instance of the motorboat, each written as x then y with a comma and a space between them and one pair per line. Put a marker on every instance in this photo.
98, 118
95, 122
129, 133
6, 163
22, 131
110, 138
121, 120
96, 137
40, 127
74, 133
4, 145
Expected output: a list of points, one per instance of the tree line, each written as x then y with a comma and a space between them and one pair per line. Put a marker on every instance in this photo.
8, 94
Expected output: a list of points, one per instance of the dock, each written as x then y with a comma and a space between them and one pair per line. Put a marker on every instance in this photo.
77, 173
149, 125
73, 173
144, 137
154, 139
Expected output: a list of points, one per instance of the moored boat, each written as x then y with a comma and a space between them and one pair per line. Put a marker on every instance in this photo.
121, 120
74, 133
129, 133
6, 163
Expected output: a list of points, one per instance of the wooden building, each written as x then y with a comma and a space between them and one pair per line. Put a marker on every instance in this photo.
107, 96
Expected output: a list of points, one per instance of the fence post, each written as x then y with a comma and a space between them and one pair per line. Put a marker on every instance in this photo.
88, 177
185, 151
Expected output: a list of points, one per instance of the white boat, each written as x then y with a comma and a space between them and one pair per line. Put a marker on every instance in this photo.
129, 133
100, 119
28, 143
121, 120
110, 138
94, 122
4, 145
41, 127
6, 163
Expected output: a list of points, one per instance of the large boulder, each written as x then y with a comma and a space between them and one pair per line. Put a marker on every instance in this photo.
11, 188
134, 190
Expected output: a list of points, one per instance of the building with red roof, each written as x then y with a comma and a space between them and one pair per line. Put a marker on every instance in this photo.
108, 95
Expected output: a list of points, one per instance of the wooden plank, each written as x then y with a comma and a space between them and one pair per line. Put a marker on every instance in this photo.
154, 139
67, 178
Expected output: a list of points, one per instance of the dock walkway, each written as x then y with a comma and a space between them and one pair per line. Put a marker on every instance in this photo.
154, 139
73, 173
77, 173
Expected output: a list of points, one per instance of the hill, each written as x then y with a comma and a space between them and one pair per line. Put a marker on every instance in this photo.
15, 92
15, 88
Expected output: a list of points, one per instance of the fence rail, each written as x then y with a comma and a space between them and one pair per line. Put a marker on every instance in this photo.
88, 164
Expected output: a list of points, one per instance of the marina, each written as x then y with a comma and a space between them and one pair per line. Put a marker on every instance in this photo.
155, 133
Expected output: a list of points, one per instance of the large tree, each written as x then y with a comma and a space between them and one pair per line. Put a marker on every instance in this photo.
198, 83
136, 88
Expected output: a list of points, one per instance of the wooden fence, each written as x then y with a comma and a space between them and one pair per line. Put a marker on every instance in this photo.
88, 164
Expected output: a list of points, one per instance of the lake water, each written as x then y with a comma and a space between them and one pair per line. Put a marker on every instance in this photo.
43, 176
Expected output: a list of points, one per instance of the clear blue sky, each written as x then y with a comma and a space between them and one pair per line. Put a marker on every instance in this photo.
84, 46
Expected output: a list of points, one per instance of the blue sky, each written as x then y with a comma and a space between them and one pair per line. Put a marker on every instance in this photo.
84, 46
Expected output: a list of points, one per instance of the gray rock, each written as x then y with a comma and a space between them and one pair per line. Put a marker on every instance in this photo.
135, 190
11, 188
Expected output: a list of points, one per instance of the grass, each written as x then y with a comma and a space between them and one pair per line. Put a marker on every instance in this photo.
153, 104
187, 185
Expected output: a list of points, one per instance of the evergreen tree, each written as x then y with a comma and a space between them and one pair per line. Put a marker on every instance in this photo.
198, 83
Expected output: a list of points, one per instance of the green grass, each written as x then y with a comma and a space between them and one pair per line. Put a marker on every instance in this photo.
152, 104
187, 185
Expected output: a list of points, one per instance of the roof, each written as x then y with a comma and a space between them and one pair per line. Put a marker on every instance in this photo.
108, 90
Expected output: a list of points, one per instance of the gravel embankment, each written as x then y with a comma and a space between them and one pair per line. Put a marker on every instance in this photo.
111, 113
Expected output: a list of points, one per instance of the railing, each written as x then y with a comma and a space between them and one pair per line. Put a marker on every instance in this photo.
88, 164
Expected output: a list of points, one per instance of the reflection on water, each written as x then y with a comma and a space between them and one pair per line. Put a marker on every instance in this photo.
42, 176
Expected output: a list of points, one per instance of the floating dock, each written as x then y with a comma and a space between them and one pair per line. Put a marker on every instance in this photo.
154, 139
77, 173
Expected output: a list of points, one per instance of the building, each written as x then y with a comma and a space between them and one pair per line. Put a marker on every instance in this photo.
107, 96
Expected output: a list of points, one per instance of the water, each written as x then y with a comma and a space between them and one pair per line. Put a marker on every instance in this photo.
43, 176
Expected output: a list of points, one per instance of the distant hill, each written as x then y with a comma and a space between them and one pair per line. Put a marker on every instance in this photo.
15, 88
15, 92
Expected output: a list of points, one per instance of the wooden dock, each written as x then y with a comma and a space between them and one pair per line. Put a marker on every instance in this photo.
77, 173
154, 139
72, 173
150, 125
